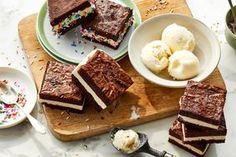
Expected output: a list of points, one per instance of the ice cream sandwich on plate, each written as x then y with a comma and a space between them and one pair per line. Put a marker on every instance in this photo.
67, 14
110, 24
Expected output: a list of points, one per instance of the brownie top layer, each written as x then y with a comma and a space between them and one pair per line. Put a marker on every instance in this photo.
107, 75
58, 85
197, 88
193, 131
61, 9
176, 131
110, 19
204, 102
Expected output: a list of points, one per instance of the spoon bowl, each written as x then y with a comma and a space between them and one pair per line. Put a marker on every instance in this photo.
143, 139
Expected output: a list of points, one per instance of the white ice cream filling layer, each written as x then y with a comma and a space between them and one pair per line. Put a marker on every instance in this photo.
198, 122
91, 34
63, 104
199, 138
84, 83
188, 146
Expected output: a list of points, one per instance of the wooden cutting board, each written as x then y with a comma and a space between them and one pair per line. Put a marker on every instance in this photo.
142, 102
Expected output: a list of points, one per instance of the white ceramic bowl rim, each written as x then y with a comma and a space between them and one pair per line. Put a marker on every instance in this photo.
173, 83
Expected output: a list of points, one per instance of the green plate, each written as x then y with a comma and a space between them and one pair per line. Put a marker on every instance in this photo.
60, 59
71, 47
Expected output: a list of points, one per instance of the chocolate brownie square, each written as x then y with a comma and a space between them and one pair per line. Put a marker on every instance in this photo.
102, 77
67, 14
202, 105
58, 87
110, 24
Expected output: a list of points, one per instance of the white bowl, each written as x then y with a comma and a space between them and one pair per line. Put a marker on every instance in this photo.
207, 47
21, 82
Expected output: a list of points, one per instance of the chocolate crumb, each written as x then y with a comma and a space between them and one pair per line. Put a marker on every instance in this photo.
110, 111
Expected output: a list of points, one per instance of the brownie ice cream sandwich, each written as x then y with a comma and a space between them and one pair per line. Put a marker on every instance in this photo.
67, 14
202, 105
110, 24
192, 133
58, 89
176, 138
102, 77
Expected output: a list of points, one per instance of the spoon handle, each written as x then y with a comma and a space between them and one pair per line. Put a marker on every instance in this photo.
34, 122
233, 12
154, 152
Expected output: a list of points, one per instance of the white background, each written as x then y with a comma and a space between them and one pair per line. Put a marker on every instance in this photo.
22, 141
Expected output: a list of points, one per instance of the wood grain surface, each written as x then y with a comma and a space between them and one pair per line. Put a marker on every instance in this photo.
147, 100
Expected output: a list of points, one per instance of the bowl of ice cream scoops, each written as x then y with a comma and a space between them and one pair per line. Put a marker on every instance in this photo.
171, 49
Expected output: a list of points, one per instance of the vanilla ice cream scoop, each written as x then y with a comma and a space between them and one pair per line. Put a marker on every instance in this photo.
126, 140
155, 55
183, 65
178, 38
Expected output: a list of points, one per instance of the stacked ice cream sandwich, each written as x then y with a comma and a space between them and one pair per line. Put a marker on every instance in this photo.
201, 118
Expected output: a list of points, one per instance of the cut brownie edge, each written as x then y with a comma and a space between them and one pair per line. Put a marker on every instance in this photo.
62, 104
197, 122
84, 83
93, 86
188, 147
207, 138
91, 35
90, 91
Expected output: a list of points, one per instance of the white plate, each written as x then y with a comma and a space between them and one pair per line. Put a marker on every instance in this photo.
23, 84
207, 47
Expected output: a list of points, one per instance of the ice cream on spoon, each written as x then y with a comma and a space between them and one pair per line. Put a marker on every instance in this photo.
131, 142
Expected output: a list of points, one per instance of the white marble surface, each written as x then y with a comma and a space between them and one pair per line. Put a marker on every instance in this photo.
22, 141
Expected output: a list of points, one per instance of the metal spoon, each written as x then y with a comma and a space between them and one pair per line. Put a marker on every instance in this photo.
232, 10
143, 146
8, 95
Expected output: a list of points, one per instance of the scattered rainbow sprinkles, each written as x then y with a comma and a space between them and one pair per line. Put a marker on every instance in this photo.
9, 112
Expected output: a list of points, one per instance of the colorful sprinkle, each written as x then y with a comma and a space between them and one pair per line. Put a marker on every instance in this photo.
9, 112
